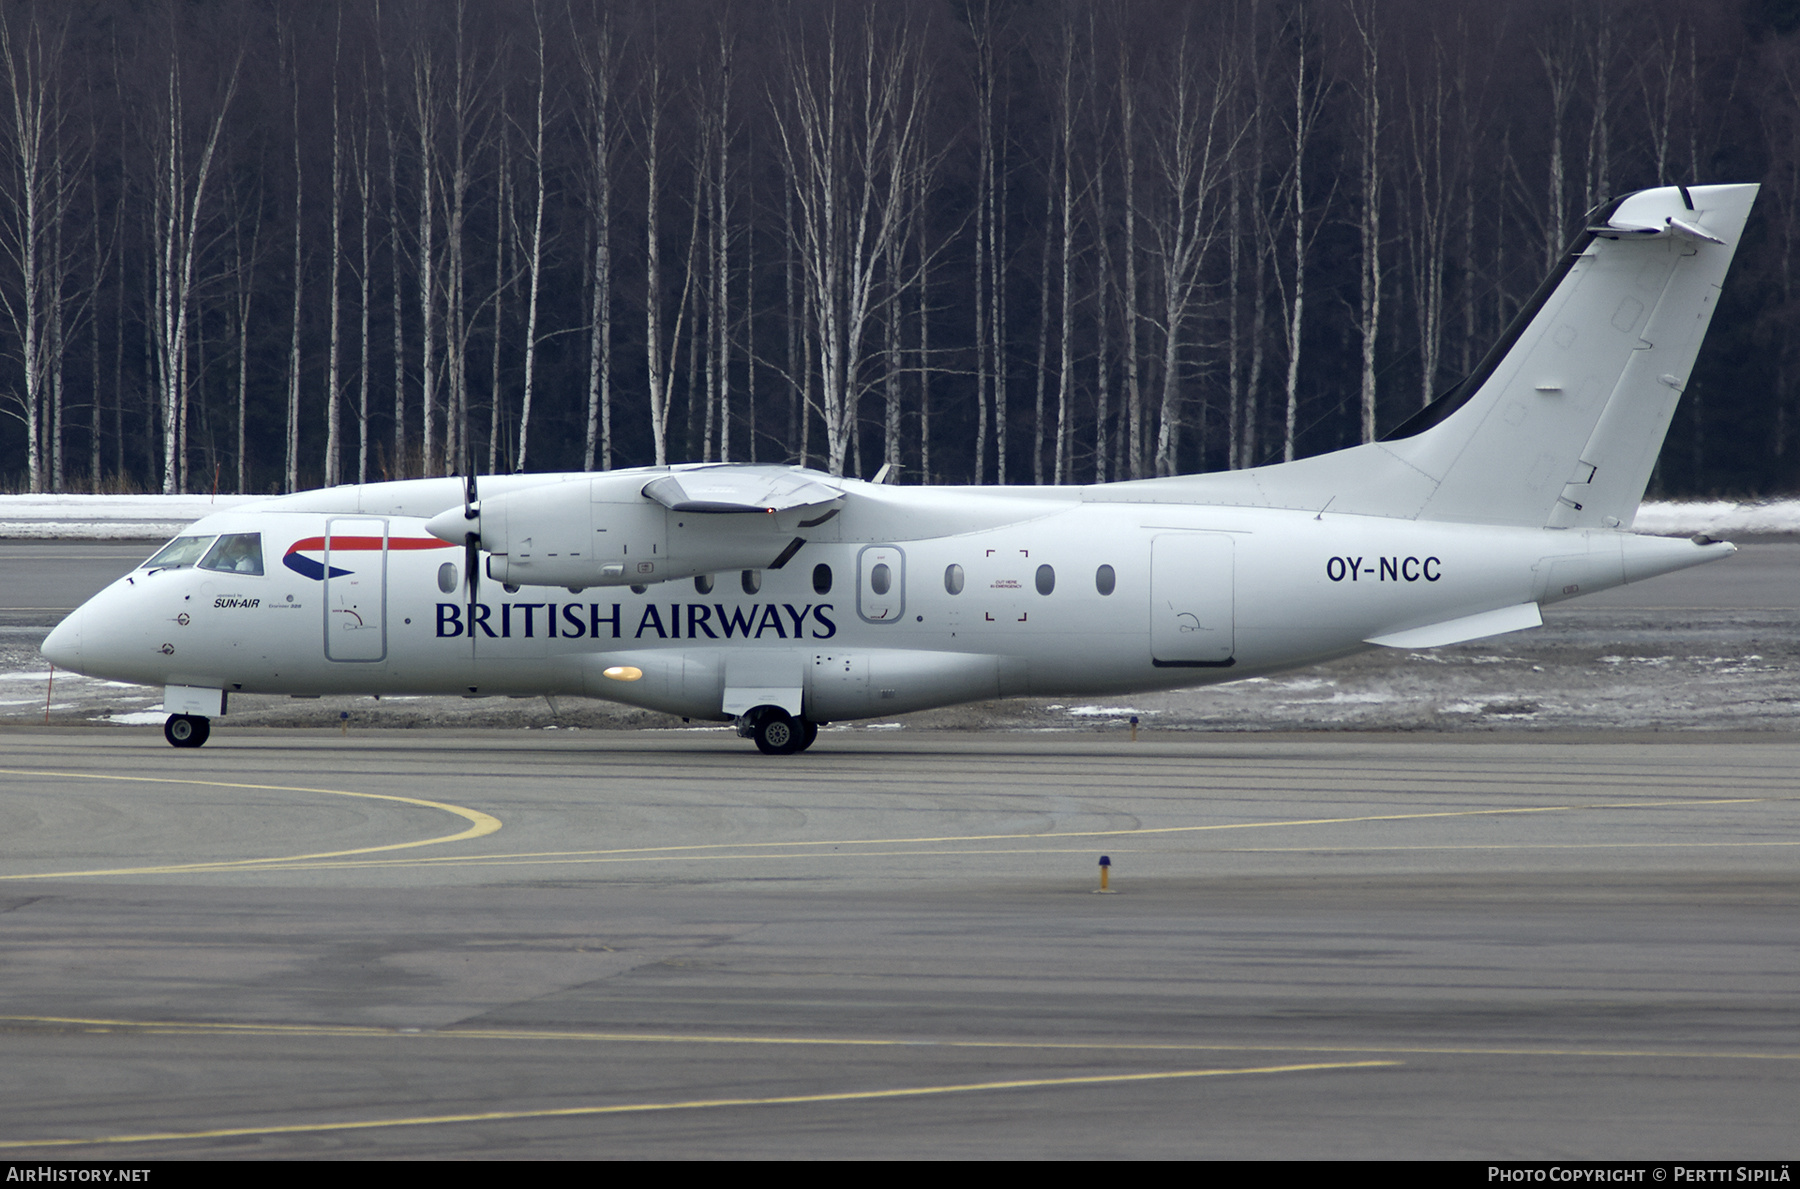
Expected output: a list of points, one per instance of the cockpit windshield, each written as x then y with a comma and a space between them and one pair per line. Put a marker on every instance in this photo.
182, 551
236, 553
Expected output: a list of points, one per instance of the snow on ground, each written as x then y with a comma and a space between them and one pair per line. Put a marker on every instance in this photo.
144, 517
1718, 518
108, 517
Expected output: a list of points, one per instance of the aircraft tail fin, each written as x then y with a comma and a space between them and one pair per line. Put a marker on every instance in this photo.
1562, 423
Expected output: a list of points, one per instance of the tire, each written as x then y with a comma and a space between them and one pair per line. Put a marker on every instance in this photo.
187, 730
809, 732
777, 733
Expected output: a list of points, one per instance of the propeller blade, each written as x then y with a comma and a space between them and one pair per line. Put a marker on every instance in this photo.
471, 548
472, 538
472, 574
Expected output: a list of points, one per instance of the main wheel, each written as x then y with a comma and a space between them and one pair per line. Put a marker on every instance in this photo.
187, 730
809, 731
777, 733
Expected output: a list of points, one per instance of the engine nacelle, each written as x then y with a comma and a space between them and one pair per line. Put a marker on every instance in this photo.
602, 531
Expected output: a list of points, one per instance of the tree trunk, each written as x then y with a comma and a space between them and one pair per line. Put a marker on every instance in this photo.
535, 263
598, 64
334, 447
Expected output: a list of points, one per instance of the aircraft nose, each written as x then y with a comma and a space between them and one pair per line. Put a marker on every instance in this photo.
62, 647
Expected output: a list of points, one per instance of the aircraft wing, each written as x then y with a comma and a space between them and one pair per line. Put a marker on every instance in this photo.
740, 489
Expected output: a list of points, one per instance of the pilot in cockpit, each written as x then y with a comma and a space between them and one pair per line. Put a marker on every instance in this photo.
239, 553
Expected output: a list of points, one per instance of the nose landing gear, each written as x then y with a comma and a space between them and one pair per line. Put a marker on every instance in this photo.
187, 730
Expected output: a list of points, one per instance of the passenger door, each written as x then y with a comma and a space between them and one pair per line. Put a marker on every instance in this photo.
356, 589
881, 584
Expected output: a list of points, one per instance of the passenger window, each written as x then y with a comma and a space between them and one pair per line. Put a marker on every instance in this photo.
182, 551
822, 579
236, 553
953, 579
752, 581
1046, 580
447, 577
1105, 580
703, 583
881, 578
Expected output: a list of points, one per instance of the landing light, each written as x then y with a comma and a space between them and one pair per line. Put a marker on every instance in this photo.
624, 673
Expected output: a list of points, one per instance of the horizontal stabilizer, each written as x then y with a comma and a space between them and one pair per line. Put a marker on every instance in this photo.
1470, 627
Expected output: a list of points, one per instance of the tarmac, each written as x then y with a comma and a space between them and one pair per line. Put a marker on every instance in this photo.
654, 944
1344, 919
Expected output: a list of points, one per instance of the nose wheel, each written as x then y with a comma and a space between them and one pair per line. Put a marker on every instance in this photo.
187, 730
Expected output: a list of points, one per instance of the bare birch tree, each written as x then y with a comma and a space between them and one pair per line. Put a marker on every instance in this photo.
982, 28
660, 375
1067, 104
847, 122
183, 161
506, 233
598, 59
32, 48
1557, 52
362, 162
396, 249
1368, 226
1431, 170
1309, 97
467, 118
720, 319
1128, 132
291, 441
534, 252
1194, 140
334, 420
244, 257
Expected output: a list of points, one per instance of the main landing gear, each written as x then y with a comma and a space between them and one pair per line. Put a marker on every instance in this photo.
187, 730
778, 733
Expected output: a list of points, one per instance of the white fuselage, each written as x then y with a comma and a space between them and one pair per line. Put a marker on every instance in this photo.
785, 598
1015, 601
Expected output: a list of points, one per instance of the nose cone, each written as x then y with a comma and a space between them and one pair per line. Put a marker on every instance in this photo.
62, 647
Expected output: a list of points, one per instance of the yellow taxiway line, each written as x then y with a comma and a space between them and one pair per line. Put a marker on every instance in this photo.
480, 825
483, 824
568, 1112
100, 1025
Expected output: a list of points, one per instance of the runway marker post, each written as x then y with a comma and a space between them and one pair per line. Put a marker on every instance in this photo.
1105, 868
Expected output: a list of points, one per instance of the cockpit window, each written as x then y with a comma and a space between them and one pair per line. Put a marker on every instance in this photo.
236, 553
182, 551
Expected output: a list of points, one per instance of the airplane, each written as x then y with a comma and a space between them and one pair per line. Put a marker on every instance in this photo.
782, 598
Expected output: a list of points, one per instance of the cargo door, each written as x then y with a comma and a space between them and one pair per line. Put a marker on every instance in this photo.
1192, 608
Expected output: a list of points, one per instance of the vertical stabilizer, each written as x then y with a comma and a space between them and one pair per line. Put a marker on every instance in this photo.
1562, 424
